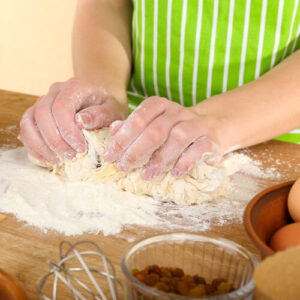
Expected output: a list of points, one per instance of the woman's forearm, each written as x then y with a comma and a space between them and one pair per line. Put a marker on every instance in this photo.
258, 111
102, 44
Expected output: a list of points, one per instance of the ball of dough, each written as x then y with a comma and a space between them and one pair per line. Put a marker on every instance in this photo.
202, 184
277, 277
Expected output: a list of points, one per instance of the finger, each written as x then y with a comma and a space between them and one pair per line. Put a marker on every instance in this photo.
33, 141
98, 116
155, 134
203, 149
56, 87
115, 126
75, 96
180, 137
48, 128
134, 126
37, 156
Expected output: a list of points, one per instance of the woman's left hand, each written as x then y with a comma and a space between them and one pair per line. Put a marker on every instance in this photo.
163, 135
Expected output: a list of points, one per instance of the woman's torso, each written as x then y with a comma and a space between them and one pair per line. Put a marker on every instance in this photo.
189, 50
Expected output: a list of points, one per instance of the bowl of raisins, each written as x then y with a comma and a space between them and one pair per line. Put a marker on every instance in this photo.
188, 266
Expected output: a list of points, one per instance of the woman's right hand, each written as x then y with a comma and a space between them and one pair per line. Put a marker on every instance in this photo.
53, 125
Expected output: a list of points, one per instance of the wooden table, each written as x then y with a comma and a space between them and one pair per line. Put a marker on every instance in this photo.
24, 251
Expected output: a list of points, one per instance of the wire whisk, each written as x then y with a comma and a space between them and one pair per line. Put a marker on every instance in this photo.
73, 261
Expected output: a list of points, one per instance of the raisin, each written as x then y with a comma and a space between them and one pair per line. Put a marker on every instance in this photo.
215, 283
188, 278
162, 286
155, 269
209, 289
151, 279
166, 280
174, 280
197, 291
140, 277
225, 287
165, 272
199, 280
176, 272
183, 288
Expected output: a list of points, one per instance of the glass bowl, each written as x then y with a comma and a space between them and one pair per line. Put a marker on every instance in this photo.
205, 256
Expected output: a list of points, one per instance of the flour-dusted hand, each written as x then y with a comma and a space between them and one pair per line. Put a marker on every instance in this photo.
165, 135
53, 125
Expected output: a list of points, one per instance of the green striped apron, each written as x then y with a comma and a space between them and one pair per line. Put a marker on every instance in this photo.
189, 50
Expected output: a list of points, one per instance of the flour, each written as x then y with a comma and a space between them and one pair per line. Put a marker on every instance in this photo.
44, 200
8, 135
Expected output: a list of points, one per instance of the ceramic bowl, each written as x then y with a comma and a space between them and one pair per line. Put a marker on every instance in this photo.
265, 214
9, 289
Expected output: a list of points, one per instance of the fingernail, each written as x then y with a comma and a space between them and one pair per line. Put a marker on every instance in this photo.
69, 154
177, 172
55, 161
109, 152
115, 126
58, 163
149, 174
84, 118
80, 148
108, 156
122, 166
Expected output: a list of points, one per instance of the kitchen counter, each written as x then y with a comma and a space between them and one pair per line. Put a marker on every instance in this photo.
25, 250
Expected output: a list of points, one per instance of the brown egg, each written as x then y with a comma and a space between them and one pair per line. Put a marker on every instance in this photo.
294, 201
285, 237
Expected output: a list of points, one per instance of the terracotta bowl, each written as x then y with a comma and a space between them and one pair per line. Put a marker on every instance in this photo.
265, 214
9, 289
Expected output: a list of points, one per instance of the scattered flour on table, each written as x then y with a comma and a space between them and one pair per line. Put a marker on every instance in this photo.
8, 129
9, 133
44, 200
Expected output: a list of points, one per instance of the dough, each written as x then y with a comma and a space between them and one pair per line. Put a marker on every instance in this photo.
196, 187
277, 277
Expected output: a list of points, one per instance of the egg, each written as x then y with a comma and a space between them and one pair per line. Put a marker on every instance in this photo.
285, 237
294, 201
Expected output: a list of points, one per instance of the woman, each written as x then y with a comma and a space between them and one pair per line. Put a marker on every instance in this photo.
210, 77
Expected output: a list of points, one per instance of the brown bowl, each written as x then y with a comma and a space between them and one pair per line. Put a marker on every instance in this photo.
9, 289
265, 214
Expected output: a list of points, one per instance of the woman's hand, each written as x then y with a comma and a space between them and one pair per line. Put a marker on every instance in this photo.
164, 134
53, 125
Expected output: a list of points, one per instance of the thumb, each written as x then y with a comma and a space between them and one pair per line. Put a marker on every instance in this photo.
97, 116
